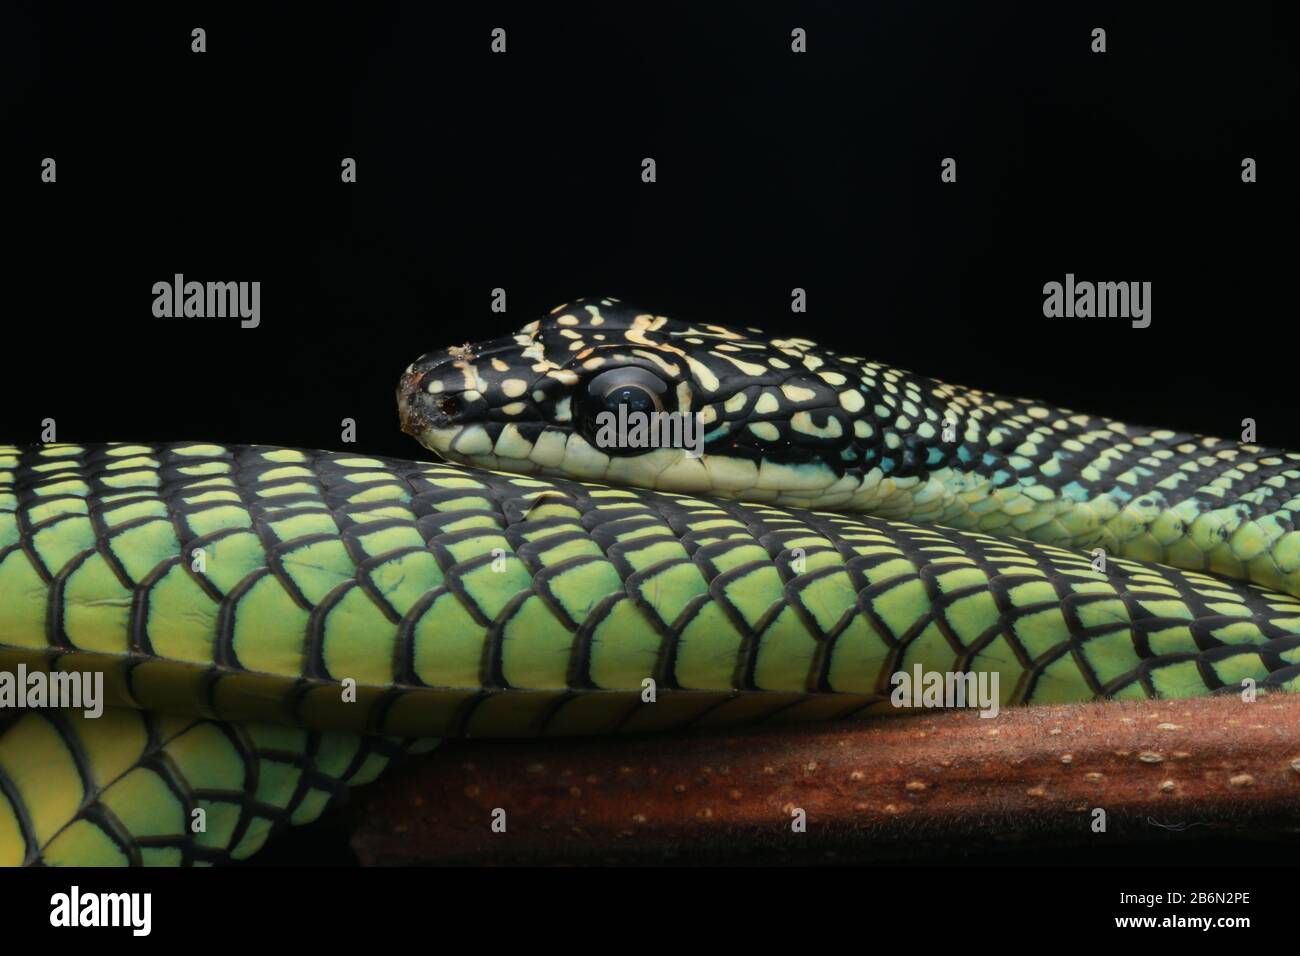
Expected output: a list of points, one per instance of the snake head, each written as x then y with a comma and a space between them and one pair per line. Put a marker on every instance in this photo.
777, 419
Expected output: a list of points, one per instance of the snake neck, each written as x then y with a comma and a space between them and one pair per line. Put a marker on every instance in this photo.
931, 452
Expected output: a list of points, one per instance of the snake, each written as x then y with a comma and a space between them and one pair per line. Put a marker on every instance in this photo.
275, 625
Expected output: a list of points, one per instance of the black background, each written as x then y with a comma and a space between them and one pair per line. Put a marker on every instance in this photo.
522, 171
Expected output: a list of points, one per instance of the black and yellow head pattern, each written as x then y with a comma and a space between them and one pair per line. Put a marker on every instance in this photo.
784, 420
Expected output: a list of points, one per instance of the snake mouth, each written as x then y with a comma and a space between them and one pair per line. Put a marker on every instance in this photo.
419, 418
441, 403
431, 418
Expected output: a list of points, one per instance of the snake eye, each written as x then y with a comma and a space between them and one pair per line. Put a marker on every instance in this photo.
634, 389
638, 389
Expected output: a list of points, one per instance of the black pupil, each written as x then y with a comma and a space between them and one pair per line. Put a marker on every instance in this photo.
636, 399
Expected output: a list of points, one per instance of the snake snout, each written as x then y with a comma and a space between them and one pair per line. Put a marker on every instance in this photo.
435, 396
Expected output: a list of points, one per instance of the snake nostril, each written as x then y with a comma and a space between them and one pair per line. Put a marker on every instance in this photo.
449, 405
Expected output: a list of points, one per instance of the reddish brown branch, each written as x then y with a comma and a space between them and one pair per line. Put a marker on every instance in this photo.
888, 788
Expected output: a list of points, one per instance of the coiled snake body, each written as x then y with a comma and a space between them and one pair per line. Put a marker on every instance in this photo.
274, 625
